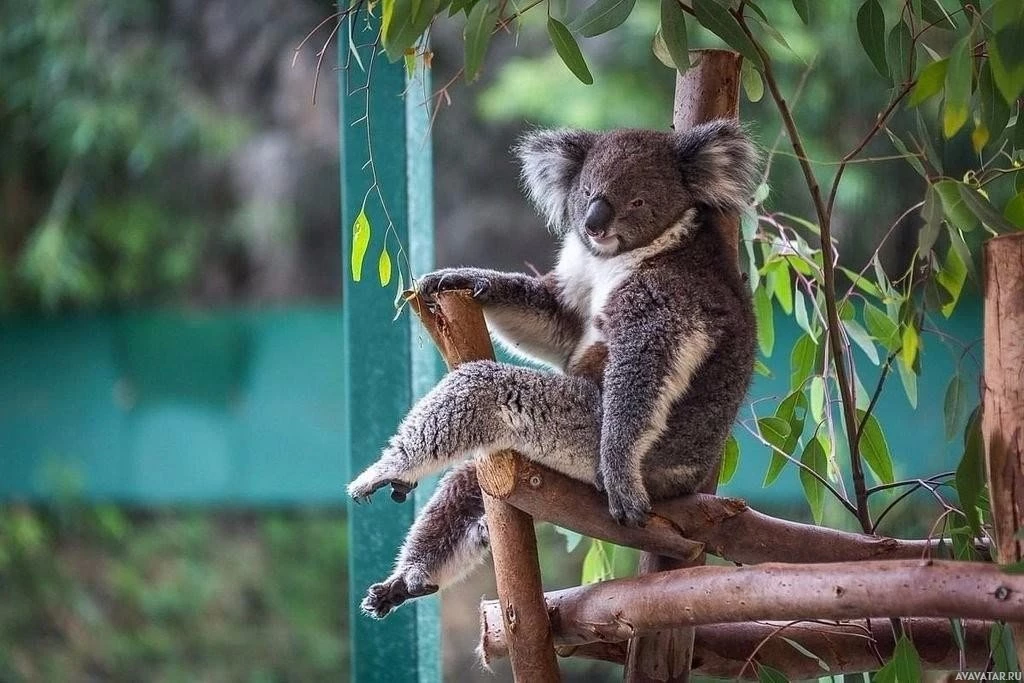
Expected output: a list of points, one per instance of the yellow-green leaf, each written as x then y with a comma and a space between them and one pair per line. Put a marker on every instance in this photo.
568, 50
910, 346
929, 82
958, 88
360, 243
1014, 211
814, 458
384, 268
874, 449
753, 86
730, 460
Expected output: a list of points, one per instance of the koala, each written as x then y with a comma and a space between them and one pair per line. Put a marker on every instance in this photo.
645, 320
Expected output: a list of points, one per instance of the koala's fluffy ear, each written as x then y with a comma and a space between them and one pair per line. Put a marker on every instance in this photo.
719, 164
551, 160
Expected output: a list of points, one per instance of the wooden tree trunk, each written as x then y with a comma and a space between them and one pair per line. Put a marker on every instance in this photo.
1003, 398
709, 90
458, 328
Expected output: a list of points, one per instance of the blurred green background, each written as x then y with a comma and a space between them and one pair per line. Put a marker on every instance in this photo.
170, 296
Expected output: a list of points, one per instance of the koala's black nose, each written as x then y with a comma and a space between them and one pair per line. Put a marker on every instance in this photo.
599, 215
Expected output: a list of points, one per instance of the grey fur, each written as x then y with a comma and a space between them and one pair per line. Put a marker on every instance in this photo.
650, 322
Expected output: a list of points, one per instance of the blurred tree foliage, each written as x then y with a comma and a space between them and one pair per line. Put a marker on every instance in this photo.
99, 592
97, 120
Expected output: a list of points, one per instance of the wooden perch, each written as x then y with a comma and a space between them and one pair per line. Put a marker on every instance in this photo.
1003, 399
683, 527
622, 608
457, 327
723, 650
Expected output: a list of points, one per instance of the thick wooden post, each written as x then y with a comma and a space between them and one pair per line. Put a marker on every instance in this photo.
708, 90
386, 368
458, 328
1003, 398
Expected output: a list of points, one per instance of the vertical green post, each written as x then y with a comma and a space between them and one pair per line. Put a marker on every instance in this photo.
387, 364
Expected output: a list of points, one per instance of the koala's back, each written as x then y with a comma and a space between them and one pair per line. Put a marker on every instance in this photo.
700, 288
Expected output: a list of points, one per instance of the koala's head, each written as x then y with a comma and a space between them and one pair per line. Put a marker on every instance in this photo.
622, 189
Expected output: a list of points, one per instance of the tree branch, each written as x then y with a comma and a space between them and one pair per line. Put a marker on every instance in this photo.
683, 527
722, 650
623, 608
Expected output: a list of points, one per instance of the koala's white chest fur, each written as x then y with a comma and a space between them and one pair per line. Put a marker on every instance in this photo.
587, 283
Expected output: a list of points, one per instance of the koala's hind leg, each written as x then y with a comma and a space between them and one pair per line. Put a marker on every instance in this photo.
485, 406
446, 541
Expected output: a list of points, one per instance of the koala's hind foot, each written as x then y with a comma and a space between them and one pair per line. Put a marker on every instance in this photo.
408, 583
445, 542
376, 477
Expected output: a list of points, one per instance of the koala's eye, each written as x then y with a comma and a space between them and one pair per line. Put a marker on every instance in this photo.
636, 203
587, 191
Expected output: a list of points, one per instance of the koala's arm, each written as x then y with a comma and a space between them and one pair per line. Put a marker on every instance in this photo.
651, 362
524, 312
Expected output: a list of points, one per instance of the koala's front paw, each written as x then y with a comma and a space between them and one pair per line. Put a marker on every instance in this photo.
628, 503
405, 584
449, 279
372, 480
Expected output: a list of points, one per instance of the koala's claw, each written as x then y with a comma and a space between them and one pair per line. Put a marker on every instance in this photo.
361, 491
628, 508
381, 598
446, 280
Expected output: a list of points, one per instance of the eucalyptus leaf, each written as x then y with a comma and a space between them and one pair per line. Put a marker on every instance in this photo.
874, 449
957, 105
905, 665
814, 491
859, 336
801, 360
931, 213
604, 15
568, 50
984, 211
899, 50
803, 8
360, 243
763, 313
1014, 211
730, 461
480, 24
717, 19
384, 268
930, 82
871, 30
881, 327
954, 404
970, 473
673, 33
774, 430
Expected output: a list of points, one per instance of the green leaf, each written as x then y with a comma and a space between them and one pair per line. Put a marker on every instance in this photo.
817, 404
673, 32
660, 49
602, 16
807, 653
1006, 48
780, 285
1004, 655
597, 565
403, 22
931, 213
803, 8
762, 369
899, 50
360, 243
954, 404
717, 19
930, 82
984, 211
952, 277
800, 312
801, 361
871, 29
874, 449
480, 24
568, 50
730, 460
904, 667
908, 156
909, 381
815, 458
774, 430
766, 674
572, 539
1013, 567
793, 410
970, 473
995, 113
911, 343
958, 88
859, 336
384, 268
1014, 211
881, 327
957, 212
862, 283
763, 312
934, 14
753, 86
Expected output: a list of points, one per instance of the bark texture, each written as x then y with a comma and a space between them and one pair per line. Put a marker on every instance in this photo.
620, 609
729, 650
457, 326
1003, 399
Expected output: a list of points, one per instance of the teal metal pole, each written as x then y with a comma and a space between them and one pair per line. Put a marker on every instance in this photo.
387, 363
